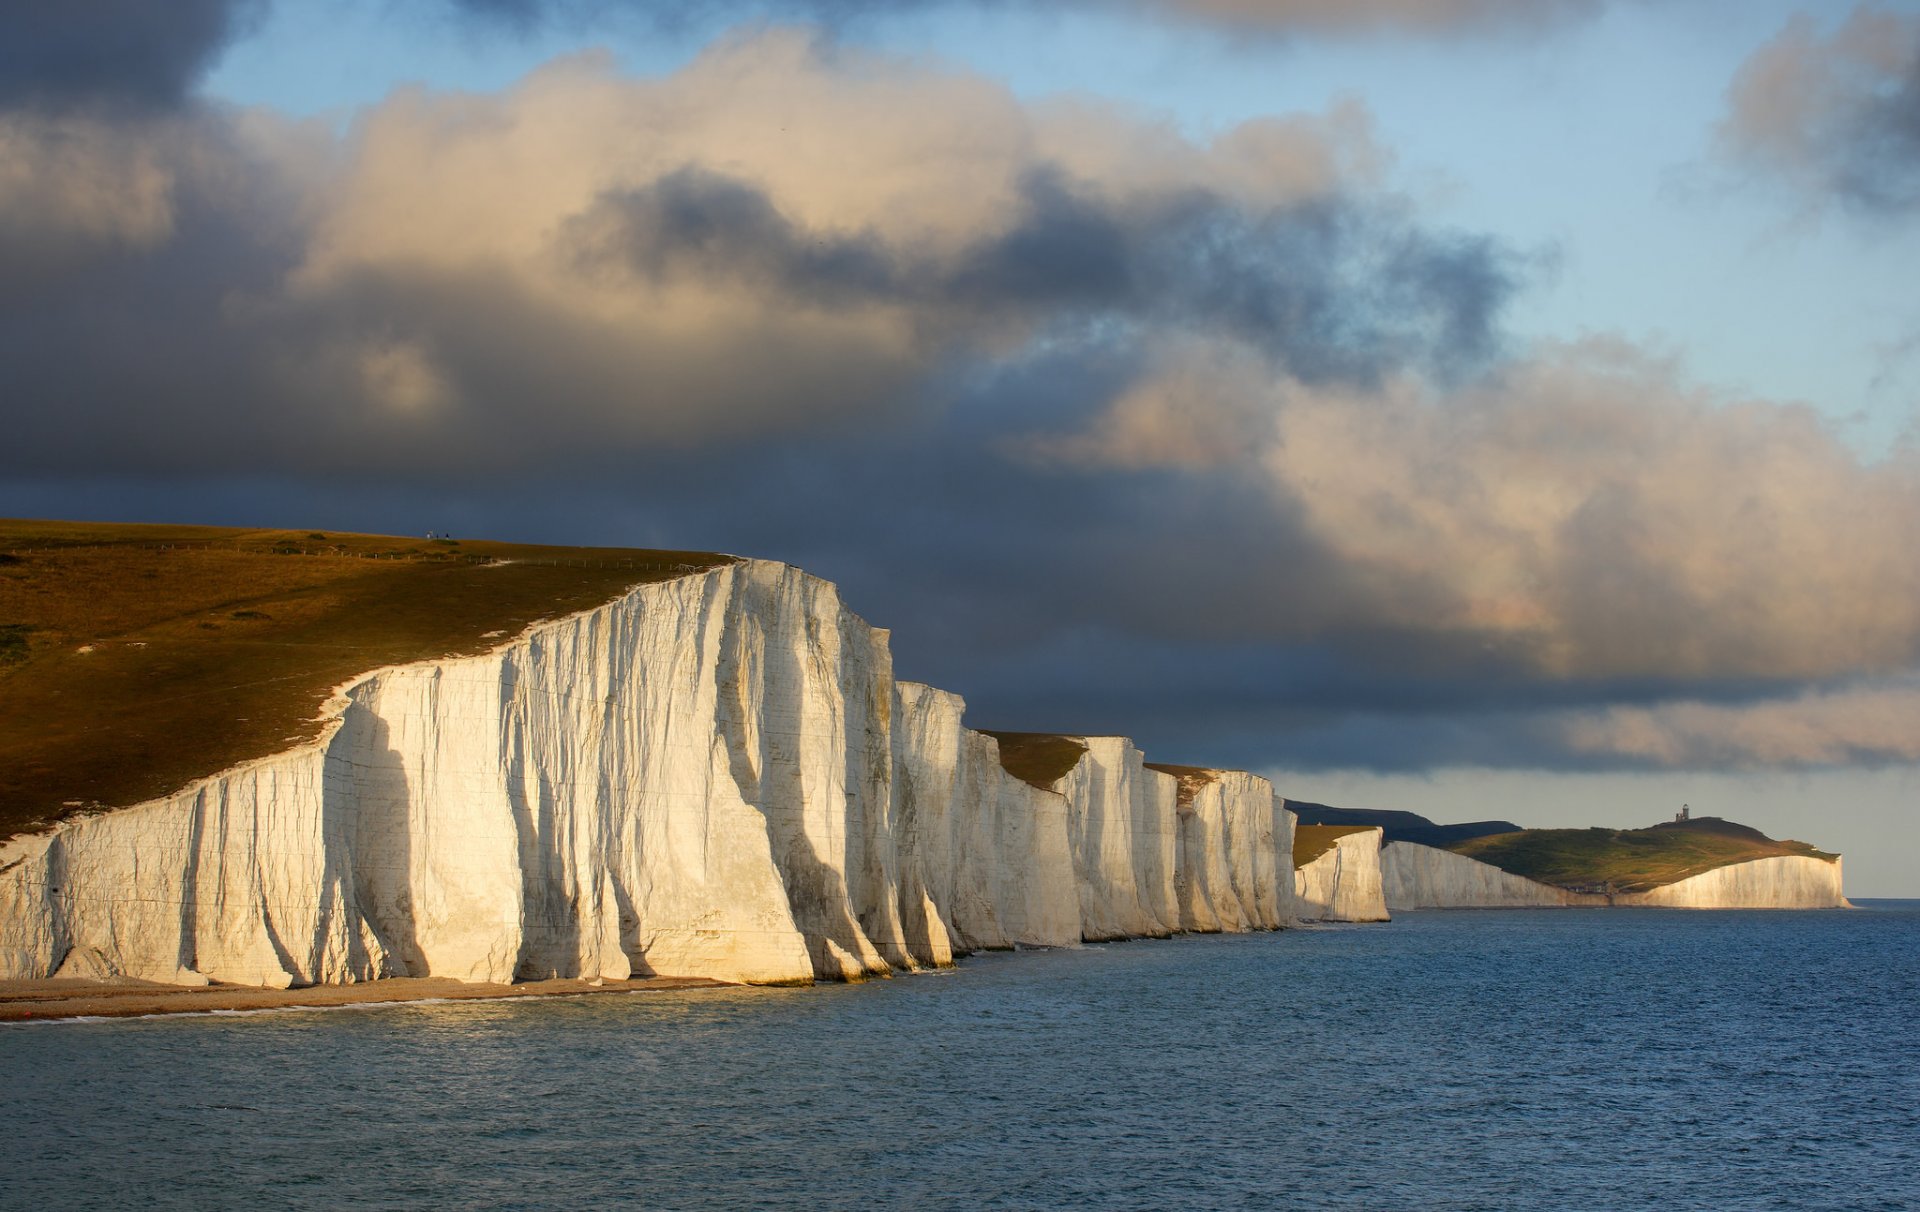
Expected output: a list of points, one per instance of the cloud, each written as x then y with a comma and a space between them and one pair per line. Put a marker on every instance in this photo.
1581, 511
1213, 441
1835, 117
1239, 16
1425, 16
782, 237
74, 188
131, 52
1868, 724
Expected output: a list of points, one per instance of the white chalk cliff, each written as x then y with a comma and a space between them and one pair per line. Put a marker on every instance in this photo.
988, 859
1343, 884
1231, 833
1421, 877
712, 776
1781, 882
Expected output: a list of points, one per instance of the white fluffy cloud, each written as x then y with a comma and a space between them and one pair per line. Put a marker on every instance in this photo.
783, 235
1581, 510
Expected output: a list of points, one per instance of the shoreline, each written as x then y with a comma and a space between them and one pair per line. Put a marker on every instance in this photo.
55, 1000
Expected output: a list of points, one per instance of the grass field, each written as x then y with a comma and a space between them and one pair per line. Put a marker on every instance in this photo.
1039, 759
1312, 841
1628, 860
135, 659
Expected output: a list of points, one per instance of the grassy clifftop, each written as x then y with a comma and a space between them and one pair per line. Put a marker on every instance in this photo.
1312, 841
1629, 860
1039, 759
1190, 780
135, 659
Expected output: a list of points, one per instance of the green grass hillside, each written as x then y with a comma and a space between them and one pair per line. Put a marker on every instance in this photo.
1628, 860
135, 659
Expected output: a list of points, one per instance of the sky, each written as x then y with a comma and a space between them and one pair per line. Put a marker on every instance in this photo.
1489, 408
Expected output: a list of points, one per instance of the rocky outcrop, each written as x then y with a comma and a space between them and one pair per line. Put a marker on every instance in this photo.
1781, 882
713, 776
1343, 884
1421, 877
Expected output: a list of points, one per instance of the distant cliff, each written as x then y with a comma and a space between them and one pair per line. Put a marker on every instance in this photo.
1421, 877
1338, 876
714, 775
1627, 864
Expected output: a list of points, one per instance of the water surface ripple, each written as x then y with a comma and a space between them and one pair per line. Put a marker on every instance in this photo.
1547, 1059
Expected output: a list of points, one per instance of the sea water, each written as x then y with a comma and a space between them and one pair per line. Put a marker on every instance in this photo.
1521, 1059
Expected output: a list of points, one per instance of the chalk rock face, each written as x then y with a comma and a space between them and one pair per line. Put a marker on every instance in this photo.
694, 779
712, 776
1235, 838
1286, 901
1781, 882
1423, 877
986, 856
188, 887
1253, 840
1200, 879
1120, 817
1343, 885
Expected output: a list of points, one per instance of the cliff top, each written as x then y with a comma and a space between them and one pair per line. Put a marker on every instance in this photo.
1312, 841
136, 659
1039, 759
1631, 860
1190, 778
1398, 826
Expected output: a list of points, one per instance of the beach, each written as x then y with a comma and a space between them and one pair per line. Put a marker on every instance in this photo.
24, 1001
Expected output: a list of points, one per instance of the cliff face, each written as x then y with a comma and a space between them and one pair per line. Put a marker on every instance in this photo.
1783, 882
686, 781
1120, 817
1234, 838
1421, 877
714, 776
987, 858
1344, 884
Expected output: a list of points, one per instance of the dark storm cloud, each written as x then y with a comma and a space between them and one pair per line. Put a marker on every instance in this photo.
1332, 289
140, 52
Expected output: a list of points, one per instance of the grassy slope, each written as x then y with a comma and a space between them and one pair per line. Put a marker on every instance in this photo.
1039, 759
1631, 860
1312, 841
213, 646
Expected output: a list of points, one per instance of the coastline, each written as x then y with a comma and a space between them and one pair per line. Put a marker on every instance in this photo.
51, 1000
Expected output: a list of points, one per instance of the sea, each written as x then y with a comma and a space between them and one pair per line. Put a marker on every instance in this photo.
1577, 1059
